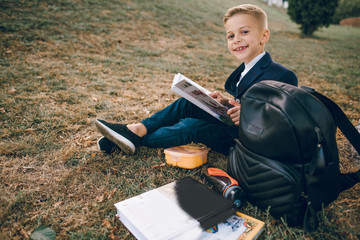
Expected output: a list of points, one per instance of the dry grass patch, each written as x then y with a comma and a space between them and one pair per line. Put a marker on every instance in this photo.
65, 63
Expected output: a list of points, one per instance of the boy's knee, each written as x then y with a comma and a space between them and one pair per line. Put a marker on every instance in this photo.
183, 102
192, 124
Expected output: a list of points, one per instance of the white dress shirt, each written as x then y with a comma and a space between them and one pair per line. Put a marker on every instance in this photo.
250, 65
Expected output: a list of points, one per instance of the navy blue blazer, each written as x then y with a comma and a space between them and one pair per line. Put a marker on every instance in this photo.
264, 69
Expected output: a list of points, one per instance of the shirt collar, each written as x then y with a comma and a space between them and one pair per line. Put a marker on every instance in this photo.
249, 66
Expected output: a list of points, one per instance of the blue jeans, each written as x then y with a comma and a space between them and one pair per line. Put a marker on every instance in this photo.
182, 123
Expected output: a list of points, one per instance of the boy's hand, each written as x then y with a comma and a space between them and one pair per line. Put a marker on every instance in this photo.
234, 112
220, 98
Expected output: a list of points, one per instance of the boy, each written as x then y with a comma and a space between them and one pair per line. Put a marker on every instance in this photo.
182, 122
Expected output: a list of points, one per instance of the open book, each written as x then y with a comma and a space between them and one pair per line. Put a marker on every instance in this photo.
178, 210
185, 209
199, 96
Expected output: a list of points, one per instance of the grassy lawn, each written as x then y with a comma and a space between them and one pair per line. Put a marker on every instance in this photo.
64, 63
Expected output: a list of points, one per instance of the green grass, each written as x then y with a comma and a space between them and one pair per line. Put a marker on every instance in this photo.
65, 63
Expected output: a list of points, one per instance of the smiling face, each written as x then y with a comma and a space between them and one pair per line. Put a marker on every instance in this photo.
246, 36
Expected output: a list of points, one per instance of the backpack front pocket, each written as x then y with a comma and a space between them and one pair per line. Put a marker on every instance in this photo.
268, 183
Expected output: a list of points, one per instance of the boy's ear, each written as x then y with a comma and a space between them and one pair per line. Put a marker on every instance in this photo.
265, 37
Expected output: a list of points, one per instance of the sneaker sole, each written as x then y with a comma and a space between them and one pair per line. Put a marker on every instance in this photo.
123, 143
98, 145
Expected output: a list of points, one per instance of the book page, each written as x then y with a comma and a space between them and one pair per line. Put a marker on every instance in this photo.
239, 226
231, 229
150, 214
200, 97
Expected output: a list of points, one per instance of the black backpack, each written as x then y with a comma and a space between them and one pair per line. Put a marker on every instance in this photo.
286, 157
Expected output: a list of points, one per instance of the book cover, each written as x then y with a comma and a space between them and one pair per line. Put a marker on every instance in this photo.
238, 227
182, 209
199, 96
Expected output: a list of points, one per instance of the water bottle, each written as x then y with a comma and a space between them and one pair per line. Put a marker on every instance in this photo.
226, 185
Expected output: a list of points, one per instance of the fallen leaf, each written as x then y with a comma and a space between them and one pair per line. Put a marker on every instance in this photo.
112, 193
100, 198
12, 91
24, 233
158, 165
113, 237
30, 130
107, 224
57, 204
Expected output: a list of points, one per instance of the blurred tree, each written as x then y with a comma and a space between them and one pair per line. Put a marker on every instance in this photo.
312, 14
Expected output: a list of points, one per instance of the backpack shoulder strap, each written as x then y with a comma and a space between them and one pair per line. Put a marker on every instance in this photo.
340, 119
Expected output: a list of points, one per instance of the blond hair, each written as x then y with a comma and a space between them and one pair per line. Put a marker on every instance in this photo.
250, 9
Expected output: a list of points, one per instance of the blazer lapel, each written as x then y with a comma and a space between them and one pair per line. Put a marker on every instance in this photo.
233, 79
255, 72
246, 81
